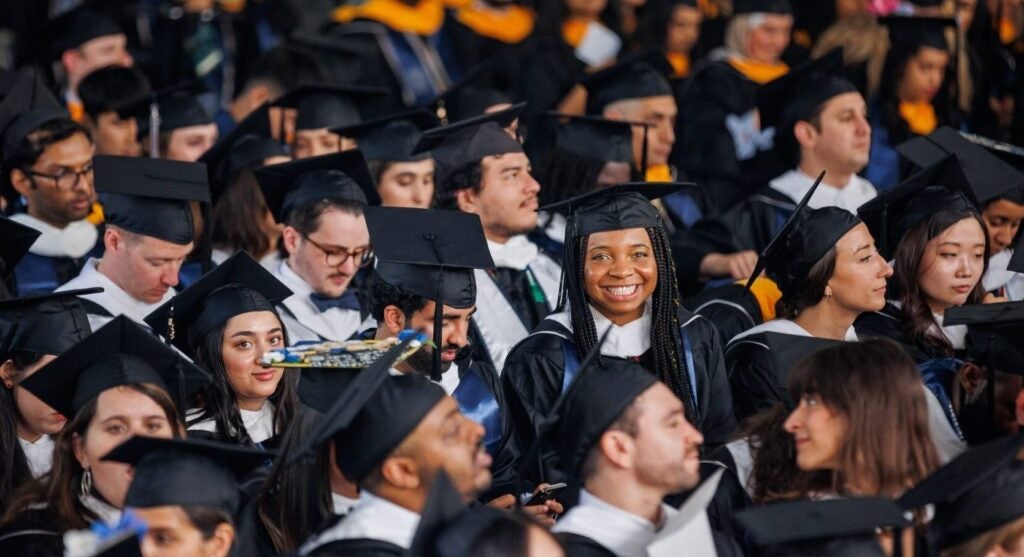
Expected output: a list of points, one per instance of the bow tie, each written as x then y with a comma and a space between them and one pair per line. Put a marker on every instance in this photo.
348, 300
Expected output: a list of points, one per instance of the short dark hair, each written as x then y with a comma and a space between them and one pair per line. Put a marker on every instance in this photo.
305, 218
283, 68
467, 176
112, 88
628, 422
207, 519
31, 147
383, 294
810, 291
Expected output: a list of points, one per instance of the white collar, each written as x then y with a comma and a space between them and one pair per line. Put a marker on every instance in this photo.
106, 512
787, 327
624, 341
449, 379
74, 240
342, 504
517, 253
259, 424
299, 287
955, 334
372, 518
795, 185
113, 298
623, 533
39, 454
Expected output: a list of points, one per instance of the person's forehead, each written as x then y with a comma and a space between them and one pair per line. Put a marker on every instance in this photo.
342, 228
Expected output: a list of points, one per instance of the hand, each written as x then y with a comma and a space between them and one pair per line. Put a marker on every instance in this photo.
737, 265
506, 501
991, 298
546, 512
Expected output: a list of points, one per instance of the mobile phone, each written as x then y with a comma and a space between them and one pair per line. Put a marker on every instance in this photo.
546, 493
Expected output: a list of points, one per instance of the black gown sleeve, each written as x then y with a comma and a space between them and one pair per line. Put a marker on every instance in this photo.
731, 308
718, 422
888, 323
31, 535
581, 546
752, 376
358, 548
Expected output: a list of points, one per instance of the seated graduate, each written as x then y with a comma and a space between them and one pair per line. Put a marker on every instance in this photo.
17, 239
185, 130
47, 161
185, 492
481, 169
320, 202
403, 178
118, 382
826, 265
424, 280
33, 332
317, 108
225, 322
109, 96
392, 440
977, 502
150, 230
1004, 276
619, 276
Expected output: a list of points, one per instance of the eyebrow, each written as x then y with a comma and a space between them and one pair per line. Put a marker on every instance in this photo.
639, 245
511, 168
675, 412
253, 333
862, 248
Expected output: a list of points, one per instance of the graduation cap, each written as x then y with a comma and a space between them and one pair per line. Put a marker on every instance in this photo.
635, 77
915, 32
1009, 153
391, 138
78, 26
761, 6
167, 110
993, 333
236, 286
43, 323
325, 105
800, 93
432, 254
338, 177
185, 472
978, 491
15, 241
151, 196
989, 176
468, 141
447, 527
788, 351
841, 527
119, 353
594, 137
320, 387
614, 208
941, 186
470, 96
246, 146
27, 106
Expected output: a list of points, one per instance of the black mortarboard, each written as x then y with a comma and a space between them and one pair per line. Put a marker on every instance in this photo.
319, 387
595, 400
151, 196
636, 77
26, 107
78, 26
470, 96
338, 177
325, 106
939, 187
840, 527
614, 208
993, 333
594, 137
801, 92
761, 6
447, 527
238, 285
185, 472
119, 353
989, 176
468, 141
980, 490
246, 146
1009, 153
916, 32
176, 107
789, 350
15, 241
43, 323
391, 138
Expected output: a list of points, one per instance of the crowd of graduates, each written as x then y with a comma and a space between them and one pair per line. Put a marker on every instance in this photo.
511, 278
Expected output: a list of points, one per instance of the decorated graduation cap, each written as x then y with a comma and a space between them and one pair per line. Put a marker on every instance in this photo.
27, 106
447, 527
941, 186
15, 241
246, 146
119, 353
787, 352
594, 137
185, 472
236, 286
151, 196
469, 141
325, 105
432, 254
800, 93
993, 334
391, 138
340, 177
635, 77
989, 176
978, 491
44, 323
614, 208
470, 96
761, 7
77, 26
840, 527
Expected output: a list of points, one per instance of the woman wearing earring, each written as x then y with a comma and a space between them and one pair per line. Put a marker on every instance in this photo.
119, 382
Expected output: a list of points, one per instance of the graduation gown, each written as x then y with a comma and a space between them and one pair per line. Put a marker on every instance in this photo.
31, 536
375, 527
304, 321
534, 378
581, 546
57, 255
731, 307
102, 307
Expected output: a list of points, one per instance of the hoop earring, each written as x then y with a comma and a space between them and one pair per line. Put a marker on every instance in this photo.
85, 486
828, 291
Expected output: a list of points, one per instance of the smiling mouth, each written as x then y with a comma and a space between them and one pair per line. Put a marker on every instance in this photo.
621, 291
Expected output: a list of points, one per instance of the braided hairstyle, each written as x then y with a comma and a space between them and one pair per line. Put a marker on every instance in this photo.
666, 343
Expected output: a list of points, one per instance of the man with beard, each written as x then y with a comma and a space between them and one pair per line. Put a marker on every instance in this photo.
425, 280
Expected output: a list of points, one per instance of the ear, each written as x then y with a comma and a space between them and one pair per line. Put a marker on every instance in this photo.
79, 451
219, 544
69, 59
258, 95
614, 114
394, 320
401, 472
21, 182
617, 448
971, 378
465, 199
112, 240
8, 374
291, 237
805, 133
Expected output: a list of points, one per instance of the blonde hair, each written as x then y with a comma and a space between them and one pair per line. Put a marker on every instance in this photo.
738, 32
863, 40
1007, 537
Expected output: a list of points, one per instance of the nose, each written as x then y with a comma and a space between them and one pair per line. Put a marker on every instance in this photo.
170, 275
459, 335
886, 268
792, 424
964, 268
621, 268
691, 434
532, 185
348, 266
668, 133
476, 431
863, 126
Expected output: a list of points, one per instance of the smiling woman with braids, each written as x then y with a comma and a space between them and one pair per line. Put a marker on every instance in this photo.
619, 275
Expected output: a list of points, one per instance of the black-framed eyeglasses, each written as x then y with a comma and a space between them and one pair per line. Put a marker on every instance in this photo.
337, 258
65, 179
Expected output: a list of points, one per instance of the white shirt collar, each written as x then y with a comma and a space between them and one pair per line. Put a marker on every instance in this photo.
449, 379
372, 518
298, 286
787, 327
107, 513
39, 454
623, 533
74, 240
517, 253
795, 185
259, 424
343, 505
624, 341
113, 298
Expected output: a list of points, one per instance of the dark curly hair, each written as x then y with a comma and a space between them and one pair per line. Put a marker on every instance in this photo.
383, 294
448, 184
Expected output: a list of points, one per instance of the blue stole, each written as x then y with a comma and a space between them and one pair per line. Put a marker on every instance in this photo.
684, 207
36, 274
936, 374
478, 403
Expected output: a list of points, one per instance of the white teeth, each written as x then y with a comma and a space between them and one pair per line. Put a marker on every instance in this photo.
622, 290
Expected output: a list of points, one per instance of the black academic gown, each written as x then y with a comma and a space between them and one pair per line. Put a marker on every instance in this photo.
535, 371
754, 380
888, 323
358, 548
31, 536
731, 307
581, 546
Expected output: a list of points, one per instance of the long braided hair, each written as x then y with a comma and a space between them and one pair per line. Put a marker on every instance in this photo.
666, 342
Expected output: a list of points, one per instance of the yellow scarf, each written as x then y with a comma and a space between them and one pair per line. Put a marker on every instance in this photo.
767, 293
423, 19
573, 30
509, 25
77, 111
758, 72
680, 63
659, 173
920, 116
1007, 30
95, 216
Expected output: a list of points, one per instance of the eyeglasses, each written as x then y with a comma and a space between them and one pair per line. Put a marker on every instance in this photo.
65, 179
337, 258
